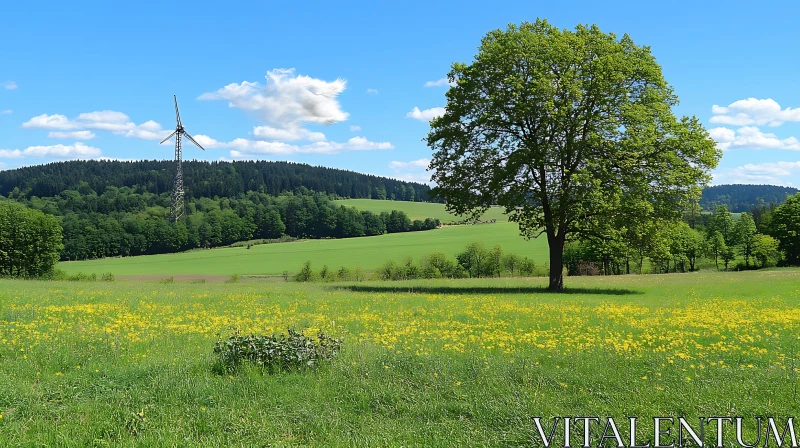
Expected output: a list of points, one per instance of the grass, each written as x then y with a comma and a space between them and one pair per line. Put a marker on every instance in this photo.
272, 259
418, 210
451, 363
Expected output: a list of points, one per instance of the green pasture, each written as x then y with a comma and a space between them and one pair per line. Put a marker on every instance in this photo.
425, 363
417, 210
272, 259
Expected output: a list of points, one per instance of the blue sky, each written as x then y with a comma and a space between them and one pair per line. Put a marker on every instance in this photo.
335, 84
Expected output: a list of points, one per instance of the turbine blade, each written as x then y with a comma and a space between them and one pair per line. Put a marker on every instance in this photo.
170, 136
193, 140
177, 114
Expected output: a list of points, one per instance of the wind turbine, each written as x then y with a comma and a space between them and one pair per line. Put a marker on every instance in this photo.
176, 208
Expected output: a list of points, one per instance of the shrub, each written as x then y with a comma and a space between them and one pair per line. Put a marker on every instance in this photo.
305, 274
59, 274
324, 274
344, 274
81, 277
285, 275
107, 277
359, 275
168, 280
526, 267
389, 271
199, 280
234, 279
284, 352
437, 265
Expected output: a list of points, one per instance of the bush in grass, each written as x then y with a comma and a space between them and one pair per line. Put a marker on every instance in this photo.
437, 265
284, 352
389, 271
107, 277
285, 275
326, 275
59, 274
526, 267
344, 274
305, 274
234, 279
168, 280
81, 277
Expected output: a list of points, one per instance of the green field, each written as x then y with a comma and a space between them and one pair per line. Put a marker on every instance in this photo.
418, 210
426, 363
366, 252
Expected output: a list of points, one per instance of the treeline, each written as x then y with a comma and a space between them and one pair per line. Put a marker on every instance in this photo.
124, 222
203, 179
768, 235
476, 261
741, 198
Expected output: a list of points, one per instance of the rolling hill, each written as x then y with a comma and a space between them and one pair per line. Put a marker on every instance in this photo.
365, 252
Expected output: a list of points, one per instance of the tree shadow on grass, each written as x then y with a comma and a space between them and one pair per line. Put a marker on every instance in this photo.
486, 290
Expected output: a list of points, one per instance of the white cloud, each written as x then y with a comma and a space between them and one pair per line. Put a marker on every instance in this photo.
208, 142
287, 134
73, 135
9, 85
45, 121
6, 112
752, 111
252, 149
286, 102
372, 91
751, 137
439, 83
425, 115
10, 153
413, 171
105, 120
77, 150
722, 135
420, 163
355, 128
774, 173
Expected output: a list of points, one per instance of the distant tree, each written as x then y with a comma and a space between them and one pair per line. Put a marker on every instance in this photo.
561, 128
473, 259
765, 250
786, 228
716, 246
30, 241
745, 231
695, 247
398, 221
722, 221
272, 226
494, 261
373, 224
511, 263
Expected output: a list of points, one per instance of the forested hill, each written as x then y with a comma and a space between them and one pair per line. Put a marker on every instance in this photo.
741, 198
204, 179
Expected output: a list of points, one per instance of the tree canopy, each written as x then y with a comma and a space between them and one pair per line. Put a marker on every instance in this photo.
786, 227
30, 241
570, 131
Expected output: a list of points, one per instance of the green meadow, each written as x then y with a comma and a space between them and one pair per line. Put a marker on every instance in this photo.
425, 363
366, 252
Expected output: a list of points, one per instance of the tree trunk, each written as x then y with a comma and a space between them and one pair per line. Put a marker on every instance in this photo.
556, 262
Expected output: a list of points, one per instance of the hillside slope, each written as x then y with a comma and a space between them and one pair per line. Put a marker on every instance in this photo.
740, 198
204, 179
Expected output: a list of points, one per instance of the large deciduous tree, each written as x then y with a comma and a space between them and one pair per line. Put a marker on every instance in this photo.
567, 130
